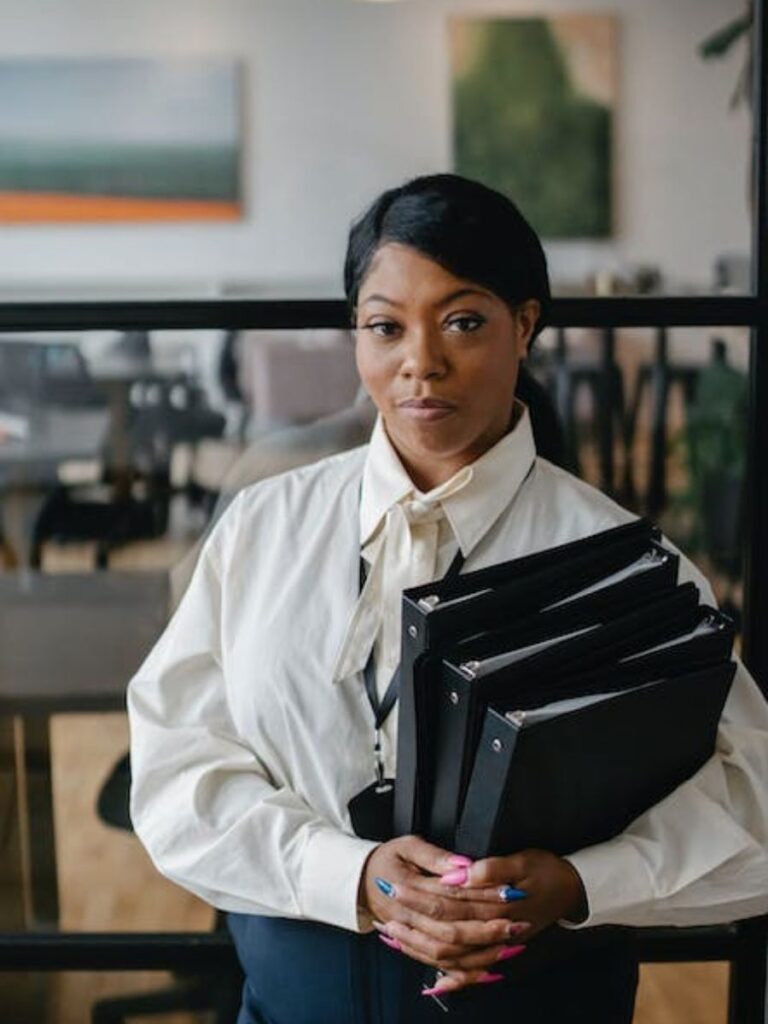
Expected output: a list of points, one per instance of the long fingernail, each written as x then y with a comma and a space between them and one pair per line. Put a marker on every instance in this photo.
379, 926
392, 943
457, 877
460, 862
436, 990
508, 893
508, 952
517, 927
488, 979
385, 887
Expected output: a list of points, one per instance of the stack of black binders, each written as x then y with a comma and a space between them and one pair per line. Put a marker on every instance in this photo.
548, 701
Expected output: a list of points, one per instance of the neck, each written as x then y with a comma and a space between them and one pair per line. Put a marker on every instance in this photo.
427, 475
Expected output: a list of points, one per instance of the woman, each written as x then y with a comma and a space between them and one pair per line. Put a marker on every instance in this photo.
255, 740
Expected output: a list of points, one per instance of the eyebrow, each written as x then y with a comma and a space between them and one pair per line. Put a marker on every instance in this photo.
458, 294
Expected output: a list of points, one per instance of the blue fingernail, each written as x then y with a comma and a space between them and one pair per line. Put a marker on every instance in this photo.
509, 894
386, 887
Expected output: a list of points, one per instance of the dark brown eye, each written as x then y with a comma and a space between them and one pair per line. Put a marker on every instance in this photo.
382, 328
464, 324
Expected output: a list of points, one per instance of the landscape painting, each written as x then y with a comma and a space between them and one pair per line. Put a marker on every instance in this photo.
533, 115
125, 139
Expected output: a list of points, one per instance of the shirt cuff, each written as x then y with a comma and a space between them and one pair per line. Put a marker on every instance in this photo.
330, 878
611, 891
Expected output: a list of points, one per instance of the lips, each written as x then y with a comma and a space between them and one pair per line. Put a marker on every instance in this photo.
426, 403
426, 409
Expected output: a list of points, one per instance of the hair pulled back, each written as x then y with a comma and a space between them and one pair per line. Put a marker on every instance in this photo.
471, 230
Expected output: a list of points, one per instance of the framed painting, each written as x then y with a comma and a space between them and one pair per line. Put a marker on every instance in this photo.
533, 115
124, 139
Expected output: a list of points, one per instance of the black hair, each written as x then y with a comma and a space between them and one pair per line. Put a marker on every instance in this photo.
471, 230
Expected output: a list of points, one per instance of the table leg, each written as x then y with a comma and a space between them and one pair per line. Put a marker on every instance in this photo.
629, 493
119, 449
24, 996
14, 894
657, 486
607, 410
43, 878
20, 509
565, 402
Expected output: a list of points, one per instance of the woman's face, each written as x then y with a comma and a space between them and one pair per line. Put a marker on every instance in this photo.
439, 357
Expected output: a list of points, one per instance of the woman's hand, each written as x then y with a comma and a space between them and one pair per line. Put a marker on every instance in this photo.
411, 888
422, 917
539, 885
478, 915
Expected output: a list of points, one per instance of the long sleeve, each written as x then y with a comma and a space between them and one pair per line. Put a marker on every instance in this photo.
203, 802
701, 855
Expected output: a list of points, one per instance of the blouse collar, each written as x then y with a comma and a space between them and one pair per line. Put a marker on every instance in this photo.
473, 498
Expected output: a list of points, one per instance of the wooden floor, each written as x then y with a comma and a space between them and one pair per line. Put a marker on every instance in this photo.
107, 882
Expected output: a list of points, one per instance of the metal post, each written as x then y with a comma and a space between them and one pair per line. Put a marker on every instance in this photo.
756, 548
748, 969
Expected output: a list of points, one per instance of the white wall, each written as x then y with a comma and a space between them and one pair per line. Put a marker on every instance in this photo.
346, 98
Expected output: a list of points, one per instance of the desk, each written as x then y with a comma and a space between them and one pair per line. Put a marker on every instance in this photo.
68, 643
29, 467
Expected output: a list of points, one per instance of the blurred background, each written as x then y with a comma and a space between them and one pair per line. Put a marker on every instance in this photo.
218, 150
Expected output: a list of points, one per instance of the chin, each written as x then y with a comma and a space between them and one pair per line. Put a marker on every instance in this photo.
440, 438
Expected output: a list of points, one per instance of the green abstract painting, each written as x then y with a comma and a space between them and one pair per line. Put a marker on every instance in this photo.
119, 139
533, 109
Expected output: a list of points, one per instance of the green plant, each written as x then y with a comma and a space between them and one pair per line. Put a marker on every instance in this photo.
713, 444
722, 41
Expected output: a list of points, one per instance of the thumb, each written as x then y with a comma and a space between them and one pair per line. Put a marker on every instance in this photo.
432, 859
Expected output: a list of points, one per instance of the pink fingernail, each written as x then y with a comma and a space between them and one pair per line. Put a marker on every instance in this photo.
509, 951
436, 990
392, 943
460, 862
379, 926
488, 979
517, 927
457, 877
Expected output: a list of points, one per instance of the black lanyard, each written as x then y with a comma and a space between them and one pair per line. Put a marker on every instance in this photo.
382, 709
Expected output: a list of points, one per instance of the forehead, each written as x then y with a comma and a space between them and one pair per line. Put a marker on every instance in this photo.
402, 274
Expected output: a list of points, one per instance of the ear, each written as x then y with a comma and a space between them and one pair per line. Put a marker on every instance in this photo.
526, 317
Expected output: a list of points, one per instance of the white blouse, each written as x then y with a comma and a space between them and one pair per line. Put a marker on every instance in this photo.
251, 729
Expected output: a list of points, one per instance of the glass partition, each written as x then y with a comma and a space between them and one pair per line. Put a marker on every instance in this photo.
148, 435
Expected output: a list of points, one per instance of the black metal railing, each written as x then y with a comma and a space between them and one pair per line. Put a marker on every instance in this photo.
295, 314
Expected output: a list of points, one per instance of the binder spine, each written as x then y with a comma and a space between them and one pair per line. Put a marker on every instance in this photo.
485, 799
415, 641
454, 698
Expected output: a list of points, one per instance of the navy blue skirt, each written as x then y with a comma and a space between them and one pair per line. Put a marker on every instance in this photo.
300, 972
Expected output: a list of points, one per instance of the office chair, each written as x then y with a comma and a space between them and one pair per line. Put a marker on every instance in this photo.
659, 378
134, 503
229, 381
603, 380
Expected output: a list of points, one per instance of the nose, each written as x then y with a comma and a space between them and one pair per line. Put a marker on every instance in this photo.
424, 356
